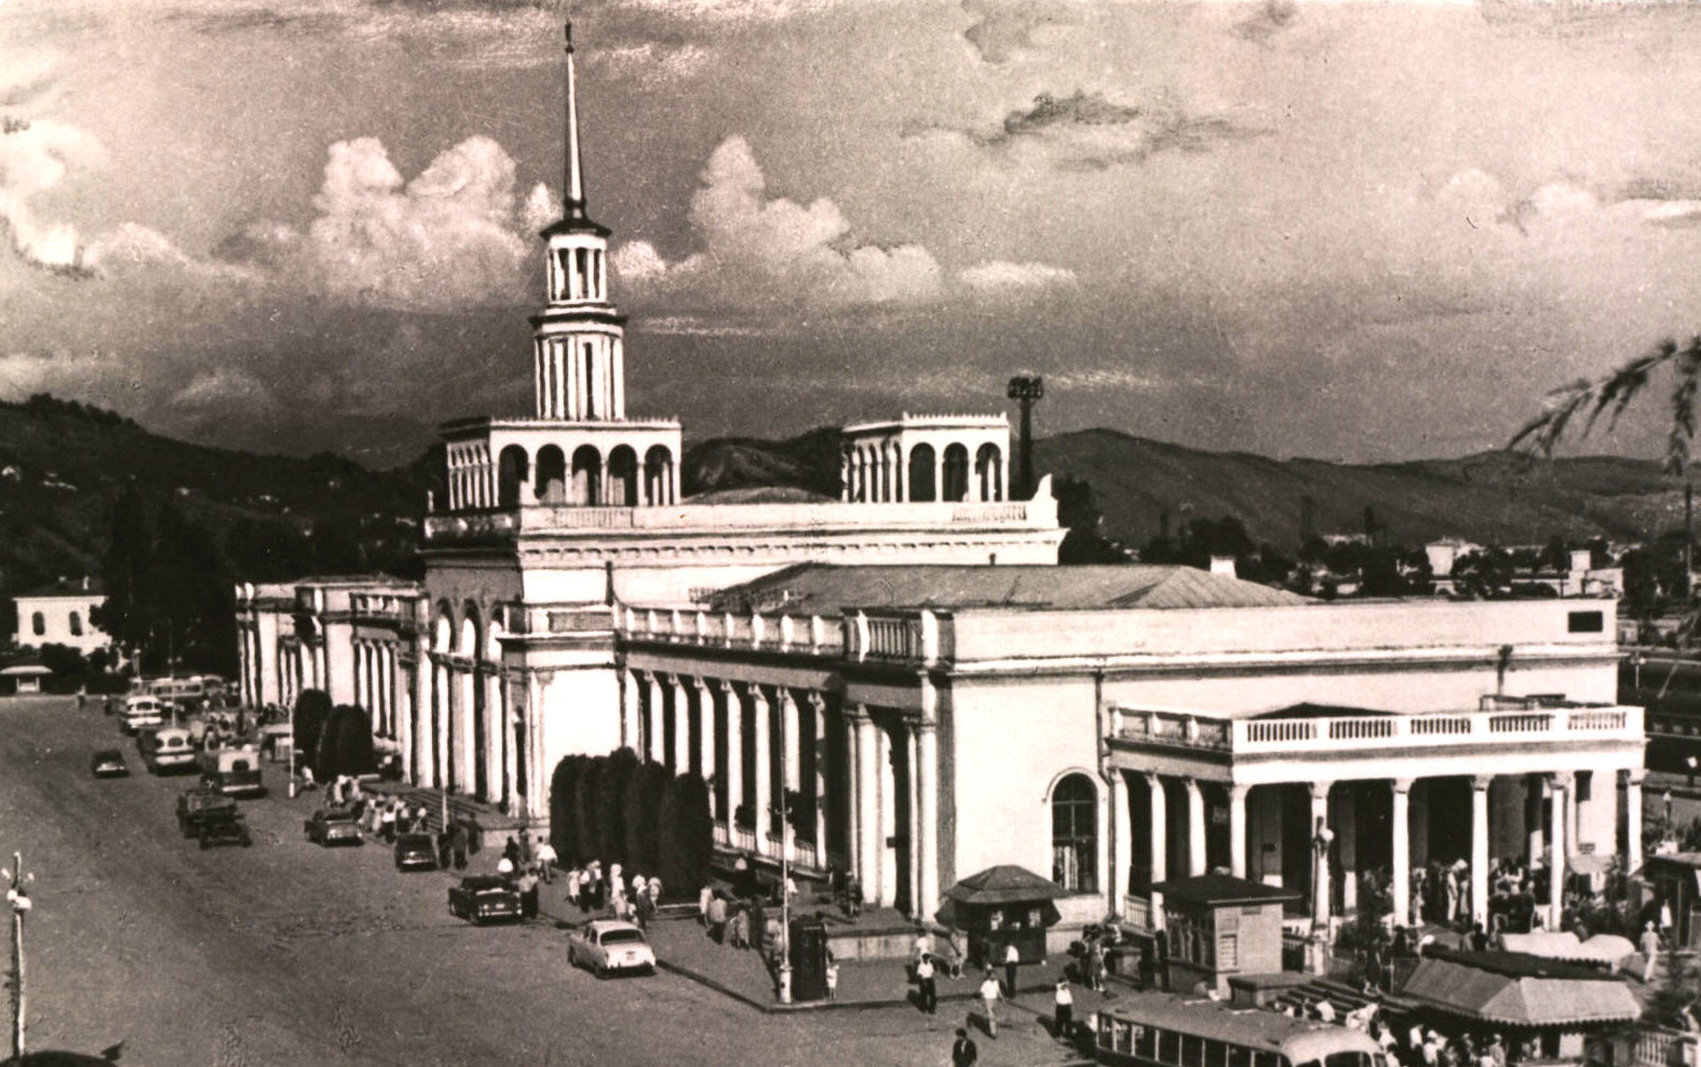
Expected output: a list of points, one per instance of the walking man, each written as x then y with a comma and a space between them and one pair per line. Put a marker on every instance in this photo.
1650, 949
1011, 958
929, 986
963, 1050
1065, 1005
989, 997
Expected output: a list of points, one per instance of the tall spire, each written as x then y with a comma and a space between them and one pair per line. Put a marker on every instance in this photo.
573, 185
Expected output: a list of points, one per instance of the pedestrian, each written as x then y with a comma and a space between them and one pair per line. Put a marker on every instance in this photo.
546, 860
923, 946
573, 878
1650, 949
705, 897
616, 887
739, 927
853, 897
1064, 1001
458, 843
528, 894
644, 908
717, 917
929, 987
1095, 967
528, 850
832, 977
655, 889
1496, 1050
505, 868
963, 1050
387, 822
989, 997
511, 852
83, 702
1012, 957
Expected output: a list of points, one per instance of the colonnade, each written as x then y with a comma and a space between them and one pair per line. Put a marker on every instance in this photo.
886, 472
464, 730
1557, 805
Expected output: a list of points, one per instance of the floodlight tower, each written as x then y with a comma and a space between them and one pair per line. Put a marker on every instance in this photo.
1026, 389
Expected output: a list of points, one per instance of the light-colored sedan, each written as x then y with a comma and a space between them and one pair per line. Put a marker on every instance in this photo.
608, 946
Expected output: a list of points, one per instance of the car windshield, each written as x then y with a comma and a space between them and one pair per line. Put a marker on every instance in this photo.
616, 937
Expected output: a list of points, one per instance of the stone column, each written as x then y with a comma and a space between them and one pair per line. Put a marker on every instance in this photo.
1633, 819
818, 709
764, 771
1535, 788
1556, 874
467, 761
495, 733
1121, 840
681, 726
1479, 848
1237, 829
1160, 845
867, 804
655, 733
925, 858
792, 758
1196, 864
1321, 836
734, 758
706, 737
1402, 833
510, 718
631, 711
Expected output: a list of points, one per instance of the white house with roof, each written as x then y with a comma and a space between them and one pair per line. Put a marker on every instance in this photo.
62, 614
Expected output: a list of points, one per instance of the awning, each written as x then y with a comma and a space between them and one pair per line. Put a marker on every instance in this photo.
999, 886
1564, 945
1518, 989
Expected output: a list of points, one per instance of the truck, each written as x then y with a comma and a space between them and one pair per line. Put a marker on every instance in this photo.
233, 772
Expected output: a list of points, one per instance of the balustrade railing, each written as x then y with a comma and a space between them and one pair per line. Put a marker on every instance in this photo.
1329, 733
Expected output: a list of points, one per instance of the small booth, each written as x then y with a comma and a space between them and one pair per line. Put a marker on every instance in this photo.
1219, 927
23, 680
1003, 906
1676, 882
808, 947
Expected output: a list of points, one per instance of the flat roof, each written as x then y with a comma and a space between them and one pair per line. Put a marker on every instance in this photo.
1211, 889
824, 589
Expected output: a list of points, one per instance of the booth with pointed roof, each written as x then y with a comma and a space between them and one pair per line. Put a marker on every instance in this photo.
1003, 906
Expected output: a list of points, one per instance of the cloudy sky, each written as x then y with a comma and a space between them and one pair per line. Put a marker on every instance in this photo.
1360, 232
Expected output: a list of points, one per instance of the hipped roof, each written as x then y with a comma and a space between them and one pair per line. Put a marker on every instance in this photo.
1006, 884
1517, 989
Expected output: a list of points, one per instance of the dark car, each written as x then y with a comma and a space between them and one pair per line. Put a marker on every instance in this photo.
416, 852
196, 806
484, 898
109, 763
332, 826
224, 826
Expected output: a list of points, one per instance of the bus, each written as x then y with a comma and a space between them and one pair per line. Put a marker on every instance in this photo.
141, 712
166, 748
1169, 1030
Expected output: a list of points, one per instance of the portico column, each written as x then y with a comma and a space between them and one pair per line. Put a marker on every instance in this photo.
631, 728
1556, 869
1479, 848
1121, 843
763, 807
734, 758
495, 733
706, 737
1321, 836
1402, 880
1237, 829
1195, 828
926, 856
1633, 819
867, 804
818, 707
681, 727
510, 746
1535, 789
1160, 845
655, 734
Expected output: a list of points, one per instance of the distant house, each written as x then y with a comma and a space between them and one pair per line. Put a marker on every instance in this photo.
22, 681
60, 614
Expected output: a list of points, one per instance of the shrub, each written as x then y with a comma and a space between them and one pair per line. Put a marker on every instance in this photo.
687, 836
643, 816
312, 708
345, 744
611, 799
585, 793
563, 827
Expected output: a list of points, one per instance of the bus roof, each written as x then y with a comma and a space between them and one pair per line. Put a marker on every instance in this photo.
1300, 1040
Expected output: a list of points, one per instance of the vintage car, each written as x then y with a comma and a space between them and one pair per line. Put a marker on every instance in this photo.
140, 711
416, 852
165, 749
485, 898
608, 946
109, 763
224, 826
233, 771
196, 806
331, 826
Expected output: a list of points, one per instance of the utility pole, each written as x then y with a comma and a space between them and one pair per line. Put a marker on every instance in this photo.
18, 897
1026, 389
785, 862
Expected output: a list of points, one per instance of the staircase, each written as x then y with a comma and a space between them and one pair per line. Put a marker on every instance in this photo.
461, 808
1305, 998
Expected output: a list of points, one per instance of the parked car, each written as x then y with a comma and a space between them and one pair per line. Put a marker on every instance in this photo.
608, 946
484, 898
416, 852
195, 806
330, 826
109, 763
224, 826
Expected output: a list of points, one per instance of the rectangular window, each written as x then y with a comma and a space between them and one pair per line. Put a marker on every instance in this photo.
1124, 1035
1216, 1054
1228, 952
1192, 1051
1239, 1056
1586, 622
1585, 786
1268, 1059
583, 261
1169, 1047
1145, 1042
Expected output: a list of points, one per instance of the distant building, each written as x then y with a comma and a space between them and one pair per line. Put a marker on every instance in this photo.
60, 614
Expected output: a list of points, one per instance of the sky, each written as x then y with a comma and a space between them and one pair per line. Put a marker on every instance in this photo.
1360, 232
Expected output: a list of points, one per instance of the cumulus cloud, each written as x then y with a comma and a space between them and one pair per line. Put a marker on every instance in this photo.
1087, 131
1270, 19
761, 250
454, 237
35, 156
1000, 277
1568, 205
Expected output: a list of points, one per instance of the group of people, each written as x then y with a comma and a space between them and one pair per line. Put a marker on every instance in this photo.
633, 899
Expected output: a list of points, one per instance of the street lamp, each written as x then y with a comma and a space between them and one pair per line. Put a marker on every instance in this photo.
1026, 389
18, 897
785, 864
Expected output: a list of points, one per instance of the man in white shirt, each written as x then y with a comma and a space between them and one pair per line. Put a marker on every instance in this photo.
989, 997
1012, 957
929, 987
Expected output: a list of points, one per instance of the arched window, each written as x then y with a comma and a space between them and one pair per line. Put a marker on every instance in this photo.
956, 473
76, 624
587, 476
921, 484
989, 471
658, 476
38, 623
511, 472
1075, 834
623, 477
551, 475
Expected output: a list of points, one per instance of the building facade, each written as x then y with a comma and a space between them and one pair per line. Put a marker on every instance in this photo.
62, 614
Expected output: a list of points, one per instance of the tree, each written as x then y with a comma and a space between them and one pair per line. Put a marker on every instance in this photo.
193, 596
312, 708
1611, 394
1078, 513
127, 573
345, 744
687, 835
611, 806
64, 660
562, 824
642, 815
586, 792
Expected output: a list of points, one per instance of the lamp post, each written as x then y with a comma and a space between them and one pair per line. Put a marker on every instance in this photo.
785, 864
1026, 389
18, 897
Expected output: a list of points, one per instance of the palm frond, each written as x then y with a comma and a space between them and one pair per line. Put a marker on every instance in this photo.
1544, 431
1611, 394
1683, 398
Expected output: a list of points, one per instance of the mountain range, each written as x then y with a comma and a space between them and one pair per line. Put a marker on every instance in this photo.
62, 465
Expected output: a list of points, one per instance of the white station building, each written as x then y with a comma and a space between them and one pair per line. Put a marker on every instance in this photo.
910, 663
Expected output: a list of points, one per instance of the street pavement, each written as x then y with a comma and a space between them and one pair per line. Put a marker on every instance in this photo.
288, 954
